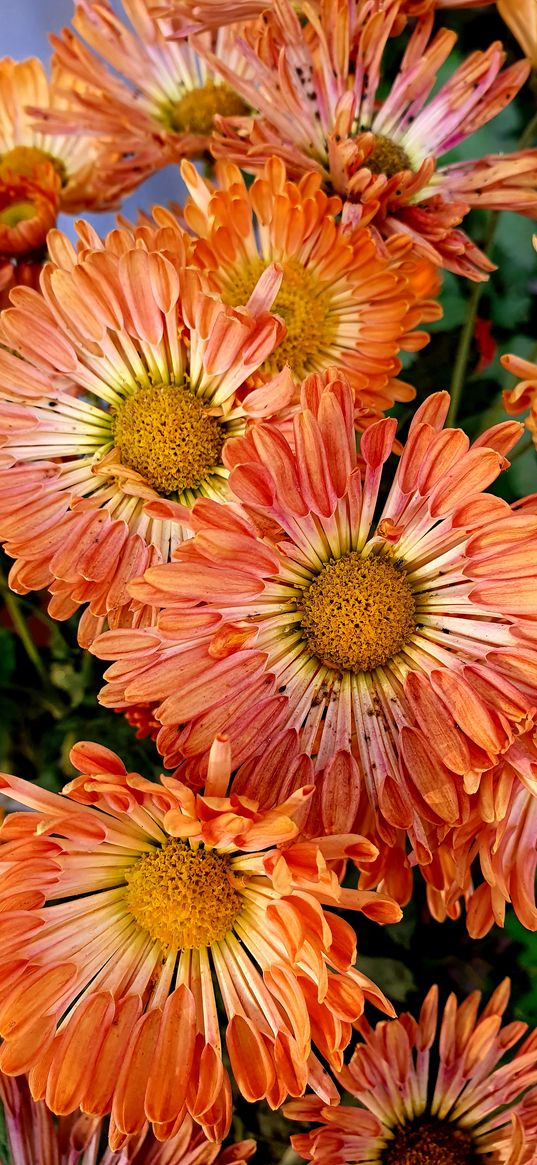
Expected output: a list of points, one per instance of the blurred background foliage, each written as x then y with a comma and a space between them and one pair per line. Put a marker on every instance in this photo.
48, 685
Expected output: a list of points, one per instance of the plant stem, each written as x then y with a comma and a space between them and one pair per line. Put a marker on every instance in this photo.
21, 628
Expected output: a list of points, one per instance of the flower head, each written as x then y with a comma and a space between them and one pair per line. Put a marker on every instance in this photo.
157, 99
442, 1095
389, 643
40, 175
118, 388
346, 299
128, 903
315, 82
36, 1138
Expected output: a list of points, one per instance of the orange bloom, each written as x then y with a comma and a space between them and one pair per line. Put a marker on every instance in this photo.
425, 1094
346, 299
524, 395
35, 1138
314, 86
521, 18
127, 902
39, 175
154, 98
118, 388
265, 602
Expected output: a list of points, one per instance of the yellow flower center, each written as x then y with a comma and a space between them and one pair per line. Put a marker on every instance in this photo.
358, 613
196, 109
184, 898
387, 157
164, 433
22, 161
304, 303
430, 1142
16, 213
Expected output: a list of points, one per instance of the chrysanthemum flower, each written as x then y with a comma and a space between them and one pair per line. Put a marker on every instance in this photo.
445, 1096
40, 174
155, 98
314, 84
128, 902
118, 387
346, 300
389, 641
34, 1137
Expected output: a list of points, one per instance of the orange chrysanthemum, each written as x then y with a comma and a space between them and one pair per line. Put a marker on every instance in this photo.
524, 395
314, 86
391, 644
155, 98
425, 1095
35, 1138
118, 386
40, 175
128, 902
346, 299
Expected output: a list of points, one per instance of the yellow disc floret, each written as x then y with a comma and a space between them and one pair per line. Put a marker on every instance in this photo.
358, 613
195, 111
387, 157
304, 303
23, 161
184, 898
430, 1142
164, 433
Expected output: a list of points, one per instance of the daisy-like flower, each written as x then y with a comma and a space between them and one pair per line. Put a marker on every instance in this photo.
314, 85
40, 174
128, 902
389, 641
346, 300
118, 388
155, 98
524, 395
441, 1093
36, 1138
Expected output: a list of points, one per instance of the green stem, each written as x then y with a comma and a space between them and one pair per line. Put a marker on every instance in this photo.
21, 628
530, 134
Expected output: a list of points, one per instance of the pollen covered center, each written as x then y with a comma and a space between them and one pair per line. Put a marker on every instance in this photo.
358, 613
430, 1142
195, 111
23, 161
387, 157
164, 433
304, 303
184, 898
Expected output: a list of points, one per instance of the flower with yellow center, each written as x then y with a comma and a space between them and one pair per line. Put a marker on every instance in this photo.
345, 300
119, 388
324, 103
150, 898
388, 642
155, 99
431, 1094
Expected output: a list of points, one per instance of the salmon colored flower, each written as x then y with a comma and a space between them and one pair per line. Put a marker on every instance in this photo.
346, 299
524, 395
315, 86
128, 902
119, 387
389, 642
444, 1094
35, 1138
155, 98
521, 18
40, 175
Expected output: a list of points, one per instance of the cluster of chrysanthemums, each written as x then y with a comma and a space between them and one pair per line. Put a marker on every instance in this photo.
330, 635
